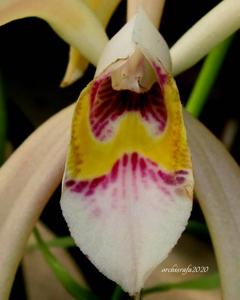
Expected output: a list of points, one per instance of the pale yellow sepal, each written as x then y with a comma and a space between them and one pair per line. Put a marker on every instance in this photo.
77, 63
73, 20
23, 196
217, 188
210, 30
153, 9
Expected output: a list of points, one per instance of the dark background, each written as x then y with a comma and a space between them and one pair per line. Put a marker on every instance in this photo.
32, 62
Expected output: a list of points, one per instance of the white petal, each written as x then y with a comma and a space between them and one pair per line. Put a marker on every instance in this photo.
126, 222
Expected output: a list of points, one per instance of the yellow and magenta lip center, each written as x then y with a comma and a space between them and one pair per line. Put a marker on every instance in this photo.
108, 105
108, 124
141, 170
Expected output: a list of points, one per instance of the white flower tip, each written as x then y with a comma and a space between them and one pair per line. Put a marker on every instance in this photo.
138, 33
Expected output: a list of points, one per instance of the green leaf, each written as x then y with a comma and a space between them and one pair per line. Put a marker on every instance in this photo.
198, 229
60, 242
117, 294
207, 77
202, 283
62, 274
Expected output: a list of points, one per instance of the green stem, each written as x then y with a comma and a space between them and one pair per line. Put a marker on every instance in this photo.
198, 229
60, 242
117, 294
207, 77
3, 122
62, 274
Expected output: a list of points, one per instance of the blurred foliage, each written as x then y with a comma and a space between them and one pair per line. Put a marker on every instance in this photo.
206, 282
62, 274
207, 77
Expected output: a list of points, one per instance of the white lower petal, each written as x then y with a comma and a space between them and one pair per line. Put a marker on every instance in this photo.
127, 225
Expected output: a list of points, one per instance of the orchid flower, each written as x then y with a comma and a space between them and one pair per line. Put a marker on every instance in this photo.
153, 72
127, 191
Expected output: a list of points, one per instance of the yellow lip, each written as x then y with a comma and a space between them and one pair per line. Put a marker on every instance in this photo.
89, 158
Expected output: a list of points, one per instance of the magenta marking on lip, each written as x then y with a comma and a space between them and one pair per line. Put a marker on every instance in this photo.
95, 87
152, 163
94, 90
162, 75
131, 170
108, 105
152, 175
123, 177
167, 178
95, 182
142, 164
89, 192
114, 172
134, 160
125, 160
172, 179
79, 186
181, 172
180, 179
69, 183
143, 167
